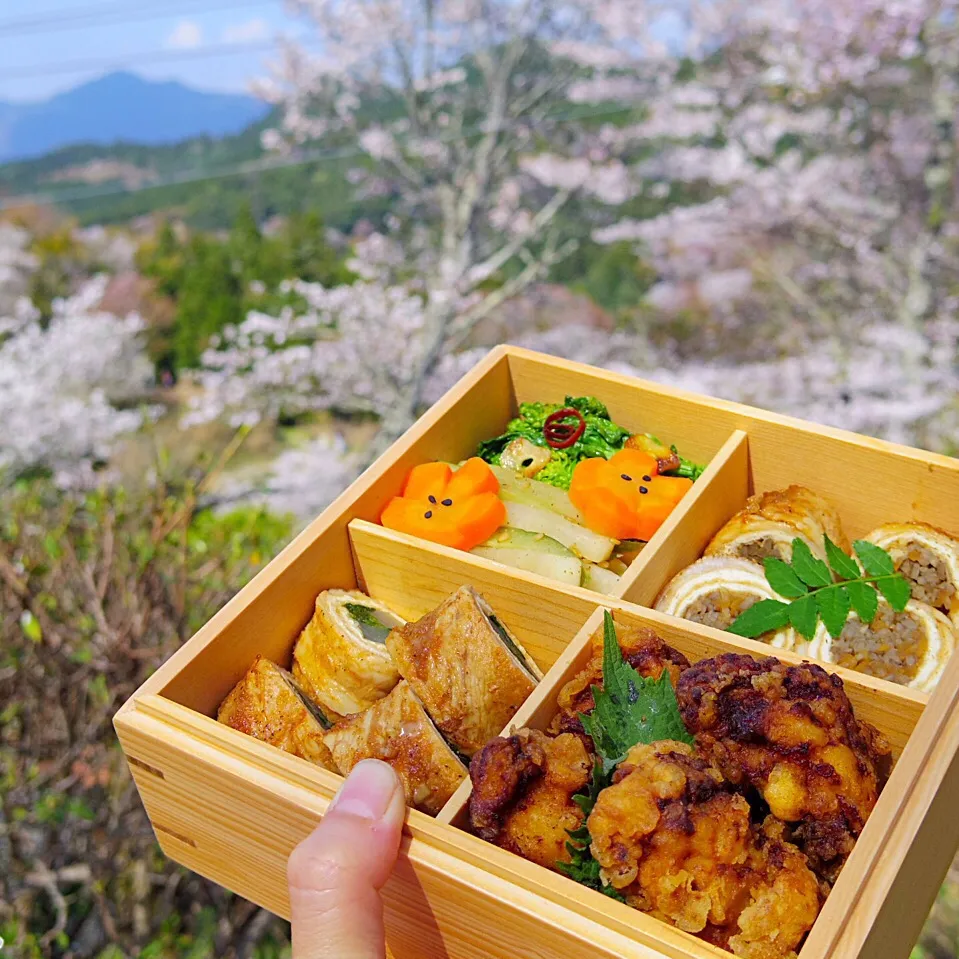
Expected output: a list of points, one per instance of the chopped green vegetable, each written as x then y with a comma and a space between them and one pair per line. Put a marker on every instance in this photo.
373, 629
510, 644
809, 583
601, 437
629, 709
582, 867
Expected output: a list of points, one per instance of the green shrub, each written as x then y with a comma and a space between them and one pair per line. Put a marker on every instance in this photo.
95, 592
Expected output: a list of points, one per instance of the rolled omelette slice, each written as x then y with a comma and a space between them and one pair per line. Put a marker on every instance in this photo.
910, 648
340, 659
468, 670
268, 705
397, 731
928, 558
771, 521
714, 590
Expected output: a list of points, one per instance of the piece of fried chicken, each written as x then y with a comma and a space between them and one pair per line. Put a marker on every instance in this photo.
674, 837
641, 648
522, 793
790, 733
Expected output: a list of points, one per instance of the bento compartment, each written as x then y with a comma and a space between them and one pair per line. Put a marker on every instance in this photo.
894, 712
350, 682
724, 576
563, 488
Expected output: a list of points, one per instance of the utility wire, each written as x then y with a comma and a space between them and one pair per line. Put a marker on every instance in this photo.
261, 165
111, 15
147, 56
66, 19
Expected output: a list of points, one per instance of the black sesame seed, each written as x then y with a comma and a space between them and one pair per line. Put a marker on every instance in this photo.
528, 461
643, 489
447, 502
648, 479
432, 499
628, 479
428, 514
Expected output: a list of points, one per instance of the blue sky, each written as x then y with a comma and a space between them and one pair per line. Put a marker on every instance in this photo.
129, 34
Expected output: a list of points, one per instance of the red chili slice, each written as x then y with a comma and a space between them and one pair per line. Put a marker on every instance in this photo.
561, 435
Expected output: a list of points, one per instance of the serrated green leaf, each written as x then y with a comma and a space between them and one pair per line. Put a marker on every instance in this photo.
843, 565
803, 615
762, 617
834, 605
875, 560
812, 571
630, 708
783, 579
865, 601
896, 590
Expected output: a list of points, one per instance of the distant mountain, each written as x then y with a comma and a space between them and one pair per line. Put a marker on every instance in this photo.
122, 107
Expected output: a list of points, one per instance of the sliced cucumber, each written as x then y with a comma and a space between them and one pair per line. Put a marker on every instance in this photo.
600, 580
515, 488
579, 539
533, 552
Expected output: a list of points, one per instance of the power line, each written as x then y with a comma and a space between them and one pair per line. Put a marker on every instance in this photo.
259, 166
114, 14
147, 56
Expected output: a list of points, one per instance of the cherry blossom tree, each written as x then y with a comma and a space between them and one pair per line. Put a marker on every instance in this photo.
16, 265
59, 386
461, 108
824, 139
802, 155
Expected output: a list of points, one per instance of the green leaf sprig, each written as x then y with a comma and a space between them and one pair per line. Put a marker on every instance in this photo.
582, 867
629, 709
827, 592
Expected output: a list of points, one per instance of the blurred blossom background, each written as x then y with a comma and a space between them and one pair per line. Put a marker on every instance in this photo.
244, 245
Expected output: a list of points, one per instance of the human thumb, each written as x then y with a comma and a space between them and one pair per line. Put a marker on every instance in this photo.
336, 873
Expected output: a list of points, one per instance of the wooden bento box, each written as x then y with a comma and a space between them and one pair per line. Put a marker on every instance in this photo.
233, 808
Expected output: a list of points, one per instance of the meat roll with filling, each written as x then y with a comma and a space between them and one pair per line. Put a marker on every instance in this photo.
397, 731
468, 670
771, 521
715, 590
928, 558
268, 704
910, 648
340, 659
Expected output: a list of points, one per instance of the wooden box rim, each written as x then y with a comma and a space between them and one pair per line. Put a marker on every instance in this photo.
846, 928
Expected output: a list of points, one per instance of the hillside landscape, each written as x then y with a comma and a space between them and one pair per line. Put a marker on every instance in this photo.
216, 311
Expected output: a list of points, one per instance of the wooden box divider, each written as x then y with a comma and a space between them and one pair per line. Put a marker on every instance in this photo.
716, 495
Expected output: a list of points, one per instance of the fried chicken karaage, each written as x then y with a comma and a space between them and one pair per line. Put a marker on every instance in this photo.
675, 838
790, 733
522, 793
642, 649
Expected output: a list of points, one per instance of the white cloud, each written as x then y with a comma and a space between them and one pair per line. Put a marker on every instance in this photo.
248, 32
186, 35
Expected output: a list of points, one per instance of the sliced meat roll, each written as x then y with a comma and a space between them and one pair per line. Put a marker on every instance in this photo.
771, 521
910, 648
469, 671
268, 705
397, 730
928, 558
717, 589
340, 659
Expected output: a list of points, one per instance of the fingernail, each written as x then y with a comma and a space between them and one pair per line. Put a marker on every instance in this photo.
368, 790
